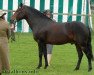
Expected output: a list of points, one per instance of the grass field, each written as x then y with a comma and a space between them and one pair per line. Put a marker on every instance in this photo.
24, 58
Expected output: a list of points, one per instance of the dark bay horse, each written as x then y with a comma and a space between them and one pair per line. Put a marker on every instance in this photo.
46, 31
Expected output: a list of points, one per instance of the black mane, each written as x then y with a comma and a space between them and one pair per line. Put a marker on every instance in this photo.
37, 12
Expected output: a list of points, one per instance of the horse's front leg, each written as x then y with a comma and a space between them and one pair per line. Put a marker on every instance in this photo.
40, 54
45, 55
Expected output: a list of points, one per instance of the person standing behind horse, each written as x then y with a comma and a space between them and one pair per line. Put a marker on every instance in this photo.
4, 50
49, 46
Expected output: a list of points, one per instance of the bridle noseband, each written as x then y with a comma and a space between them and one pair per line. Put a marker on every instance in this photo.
13, 21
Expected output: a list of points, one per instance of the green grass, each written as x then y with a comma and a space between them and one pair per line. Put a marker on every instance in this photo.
24, 57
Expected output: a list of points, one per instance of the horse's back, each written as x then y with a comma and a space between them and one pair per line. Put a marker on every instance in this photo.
68, 32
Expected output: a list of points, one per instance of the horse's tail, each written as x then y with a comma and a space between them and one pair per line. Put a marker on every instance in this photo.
89, 46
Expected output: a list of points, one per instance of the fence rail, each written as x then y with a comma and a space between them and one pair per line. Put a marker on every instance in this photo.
56, 13
72, 14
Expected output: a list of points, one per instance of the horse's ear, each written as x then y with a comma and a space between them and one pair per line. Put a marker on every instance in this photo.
21, 5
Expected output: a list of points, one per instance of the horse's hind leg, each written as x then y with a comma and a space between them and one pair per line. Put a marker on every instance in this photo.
88, 55
80, 55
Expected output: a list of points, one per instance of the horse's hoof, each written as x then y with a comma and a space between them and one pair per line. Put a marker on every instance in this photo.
38, 67
76, 69
45, 67
89, 69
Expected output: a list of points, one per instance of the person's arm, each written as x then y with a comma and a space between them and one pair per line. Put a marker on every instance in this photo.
8, 32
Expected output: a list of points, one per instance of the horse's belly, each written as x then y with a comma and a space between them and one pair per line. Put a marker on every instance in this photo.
56, 40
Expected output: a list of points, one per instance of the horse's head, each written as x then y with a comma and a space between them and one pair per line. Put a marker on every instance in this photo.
18, 15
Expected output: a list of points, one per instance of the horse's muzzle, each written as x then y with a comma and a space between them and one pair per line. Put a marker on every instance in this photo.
13, 22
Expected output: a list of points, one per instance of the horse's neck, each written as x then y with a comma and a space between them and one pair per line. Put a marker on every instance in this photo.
32, 22
35, 21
